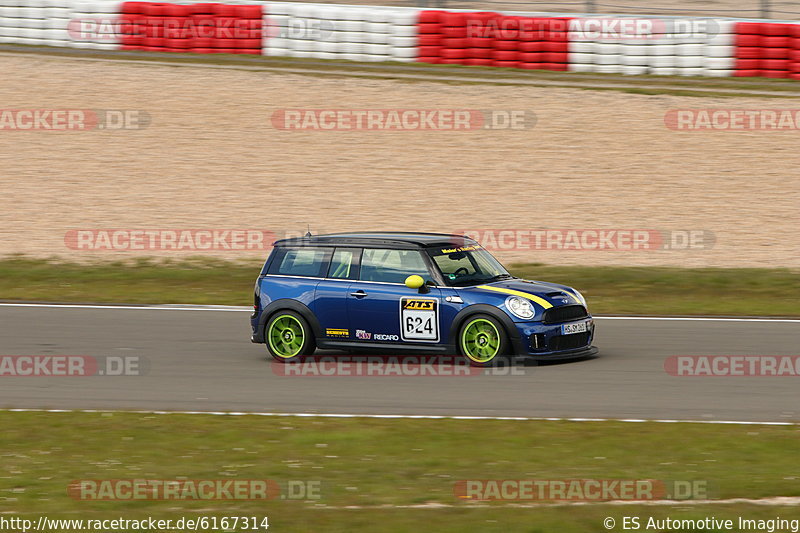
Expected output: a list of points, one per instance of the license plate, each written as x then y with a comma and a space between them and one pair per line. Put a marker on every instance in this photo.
574, 327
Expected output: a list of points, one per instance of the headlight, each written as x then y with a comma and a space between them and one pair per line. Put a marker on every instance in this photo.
580, 297
519, 307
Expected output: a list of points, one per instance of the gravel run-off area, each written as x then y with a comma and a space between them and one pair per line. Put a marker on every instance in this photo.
212, 159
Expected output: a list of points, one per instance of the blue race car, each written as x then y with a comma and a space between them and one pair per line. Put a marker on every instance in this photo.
429, 292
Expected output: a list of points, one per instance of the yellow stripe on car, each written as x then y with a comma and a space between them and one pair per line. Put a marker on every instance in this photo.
541, 301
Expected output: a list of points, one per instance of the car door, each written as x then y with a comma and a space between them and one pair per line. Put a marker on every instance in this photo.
330, 297
380, 306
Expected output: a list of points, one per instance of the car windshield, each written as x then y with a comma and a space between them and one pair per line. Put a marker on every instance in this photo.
468, 265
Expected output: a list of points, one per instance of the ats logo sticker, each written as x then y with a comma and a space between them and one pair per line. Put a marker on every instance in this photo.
421, 305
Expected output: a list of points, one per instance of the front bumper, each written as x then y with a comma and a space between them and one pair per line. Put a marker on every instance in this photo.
580, 353
547, 341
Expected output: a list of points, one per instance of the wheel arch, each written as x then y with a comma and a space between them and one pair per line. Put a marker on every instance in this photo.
286, 304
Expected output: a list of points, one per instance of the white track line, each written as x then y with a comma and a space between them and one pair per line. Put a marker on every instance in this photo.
700, 318
775, 500
242, 309
408, 417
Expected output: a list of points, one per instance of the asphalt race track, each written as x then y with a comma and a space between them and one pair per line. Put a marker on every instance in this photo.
204, 361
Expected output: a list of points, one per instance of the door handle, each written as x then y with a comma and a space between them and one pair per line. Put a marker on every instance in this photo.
358, 294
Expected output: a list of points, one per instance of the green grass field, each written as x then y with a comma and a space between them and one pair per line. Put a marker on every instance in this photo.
609, 290
387, 475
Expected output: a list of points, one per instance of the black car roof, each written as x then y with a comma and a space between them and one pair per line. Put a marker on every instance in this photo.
379, 238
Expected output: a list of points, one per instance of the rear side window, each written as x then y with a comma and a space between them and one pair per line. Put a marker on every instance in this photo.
344, 264
392, 266
309, 262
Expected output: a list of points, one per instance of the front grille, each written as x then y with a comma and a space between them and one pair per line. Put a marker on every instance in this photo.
568, 342
565, 313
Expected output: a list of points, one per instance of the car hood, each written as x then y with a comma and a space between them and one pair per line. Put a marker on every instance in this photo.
543, 293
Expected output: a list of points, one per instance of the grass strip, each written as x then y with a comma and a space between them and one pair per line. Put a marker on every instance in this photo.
609, 289
375, 465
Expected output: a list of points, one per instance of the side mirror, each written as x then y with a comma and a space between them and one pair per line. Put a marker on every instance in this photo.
416, 282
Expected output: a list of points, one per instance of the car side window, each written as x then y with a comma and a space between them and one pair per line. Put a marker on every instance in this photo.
344, 264
392, 266
307, 262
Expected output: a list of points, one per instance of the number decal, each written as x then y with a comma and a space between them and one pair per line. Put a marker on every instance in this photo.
419, 319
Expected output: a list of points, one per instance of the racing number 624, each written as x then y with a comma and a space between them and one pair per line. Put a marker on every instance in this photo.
418, 325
